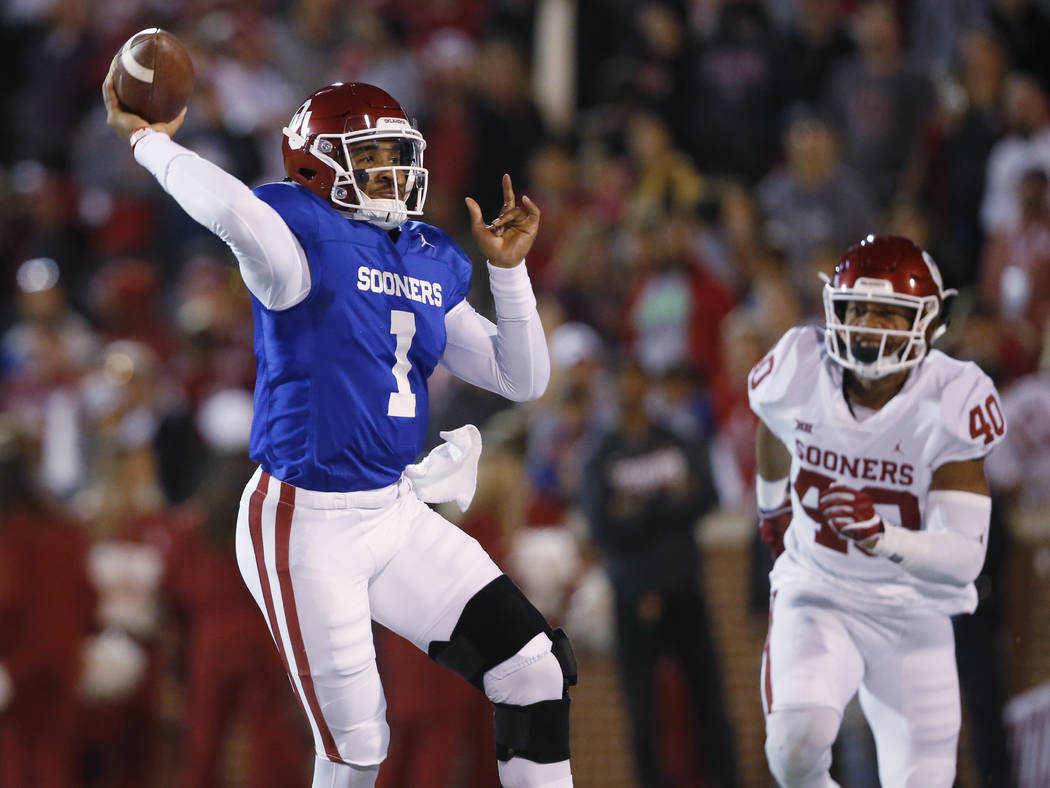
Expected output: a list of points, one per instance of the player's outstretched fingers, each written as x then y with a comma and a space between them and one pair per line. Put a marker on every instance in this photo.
529, 205
476, 222
508, 211
508, 192
508, 217
525, 217
531, 208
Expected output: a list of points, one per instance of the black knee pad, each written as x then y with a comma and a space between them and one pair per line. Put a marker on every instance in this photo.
494, 625
538, 732
562, 649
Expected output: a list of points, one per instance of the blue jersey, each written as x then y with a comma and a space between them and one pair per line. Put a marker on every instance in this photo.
341, 389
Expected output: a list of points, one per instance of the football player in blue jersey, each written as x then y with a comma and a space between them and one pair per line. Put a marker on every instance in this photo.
355, 302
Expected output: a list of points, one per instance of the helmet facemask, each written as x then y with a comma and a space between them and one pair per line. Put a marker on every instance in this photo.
407, 177
897, 349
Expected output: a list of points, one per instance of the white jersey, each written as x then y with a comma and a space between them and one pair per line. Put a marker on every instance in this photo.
947, 411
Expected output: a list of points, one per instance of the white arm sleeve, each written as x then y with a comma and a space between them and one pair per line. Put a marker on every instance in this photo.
272, 262
509, 358
770, 494
951, 549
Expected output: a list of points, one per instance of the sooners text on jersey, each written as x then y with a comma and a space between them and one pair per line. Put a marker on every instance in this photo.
341, 400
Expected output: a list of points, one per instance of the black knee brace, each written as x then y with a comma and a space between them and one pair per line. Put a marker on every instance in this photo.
540, 731
494, 626
562, 649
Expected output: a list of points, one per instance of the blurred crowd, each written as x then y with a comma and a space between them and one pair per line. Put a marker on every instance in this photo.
698, 164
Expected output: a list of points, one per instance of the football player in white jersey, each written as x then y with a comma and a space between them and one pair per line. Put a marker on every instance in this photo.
871, 448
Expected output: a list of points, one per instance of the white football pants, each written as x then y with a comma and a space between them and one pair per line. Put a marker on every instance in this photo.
819, 653
322, 566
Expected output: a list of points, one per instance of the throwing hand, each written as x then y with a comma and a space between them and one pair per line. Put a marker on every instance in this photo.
124, 122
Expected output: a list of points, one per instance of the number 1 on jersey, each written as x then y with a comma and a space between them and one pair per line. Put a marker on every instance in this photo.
403, 401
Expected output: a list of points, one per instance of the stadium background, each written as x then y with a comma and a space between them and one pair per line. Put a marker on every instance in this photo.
697, 163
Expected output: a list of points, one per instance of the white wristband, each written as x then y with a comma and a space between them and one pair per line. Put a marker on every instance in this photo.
136, 136
512, 293
770, 494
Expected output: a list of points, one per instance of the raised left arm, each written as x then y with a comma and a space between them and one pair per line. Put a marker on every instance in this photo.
510, 357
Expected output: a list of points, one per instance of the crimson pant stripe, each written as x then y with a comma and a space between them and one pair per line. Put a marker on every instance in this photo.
768, 688
255, 529
285, 510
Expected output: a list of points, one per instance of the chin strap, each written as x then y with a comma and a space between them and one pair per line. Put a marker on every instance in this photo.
382, 220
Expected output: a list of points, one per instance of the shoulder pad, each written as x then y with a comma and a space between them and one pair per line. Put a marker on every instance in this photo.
770, 379
447, 251
293, 203
971, 414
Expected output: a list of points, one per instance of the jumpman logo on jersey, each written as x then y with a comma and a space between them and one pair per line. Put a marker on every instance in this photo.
424, 243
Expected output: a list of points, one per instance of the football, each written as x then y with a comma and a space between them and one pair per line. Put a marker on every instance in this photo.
153, 76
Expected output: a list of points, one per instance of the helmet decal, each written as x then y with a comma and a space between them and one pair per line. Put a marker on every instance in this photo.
299, 121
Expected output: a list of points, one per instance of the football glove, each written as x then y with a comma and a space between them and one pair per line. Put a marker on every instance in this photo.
850, 513
773, 524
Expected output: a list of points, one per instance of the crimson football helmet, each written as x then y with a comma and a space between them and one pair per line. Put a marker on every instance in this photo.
318, 143
883, 269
